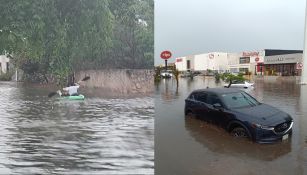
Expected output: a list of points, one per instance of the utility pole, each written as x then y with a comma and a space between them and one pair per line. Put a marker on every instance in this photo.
304, 68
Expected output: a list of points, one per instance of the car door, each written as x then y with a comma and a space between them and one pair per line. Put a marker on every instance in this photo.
216, 116
202, 109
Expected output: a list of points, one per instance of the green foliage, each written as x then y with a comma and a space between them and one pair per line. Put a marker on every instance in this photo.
217, 77
157, 74
133, 39
227, 77
6, 76
57, 37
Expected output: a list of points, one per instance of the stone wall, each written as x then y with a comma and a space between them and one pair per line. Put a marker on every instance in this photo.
122, 81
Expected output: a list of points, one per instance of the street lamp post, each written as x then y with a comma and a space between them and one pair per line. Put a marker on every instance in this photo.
304, 68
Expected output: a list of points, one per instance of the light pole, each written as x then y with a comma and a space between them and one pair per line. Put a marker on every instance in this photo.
304, 69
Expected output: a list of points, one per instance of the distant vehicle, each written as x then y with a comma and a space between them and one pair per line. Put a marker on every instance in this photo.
186, 74
195, 73
240, 84
210, 74
166, 74
240, 114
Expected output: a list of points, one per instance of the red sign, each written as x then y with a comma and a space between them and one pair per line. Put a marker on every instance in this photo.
211, 55
179, 60
250, 54
299, 65
166, 55
257, 59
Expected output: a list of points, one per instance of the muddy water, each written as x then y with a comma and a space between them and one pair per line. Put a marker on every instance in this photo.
186, 146
39, 135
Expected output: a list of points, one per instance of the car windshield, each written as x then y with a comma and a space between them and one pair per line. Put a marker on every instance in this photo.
239, 100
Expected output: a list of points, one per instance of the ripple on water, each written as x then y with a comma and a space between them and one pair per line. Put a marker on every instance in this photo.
95, 136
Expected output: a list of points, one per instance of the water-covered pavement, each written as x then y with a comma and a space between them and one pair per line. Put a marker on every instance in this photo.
41, 135
188, 146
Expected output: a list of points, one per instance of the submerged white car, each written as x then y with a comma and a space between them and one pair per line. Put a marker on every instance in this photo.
166, 74
240, 84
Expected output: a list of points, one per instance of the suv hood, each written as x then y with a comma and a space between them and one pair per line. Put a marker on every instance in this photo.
263, 114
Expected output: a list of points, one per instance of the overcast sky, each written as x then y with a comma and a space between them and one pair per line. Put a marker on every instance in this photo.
189, 27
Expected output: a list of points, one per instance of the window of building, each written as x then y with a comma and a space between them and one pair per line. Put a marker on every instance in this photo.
188, 64
244, 60
243, 70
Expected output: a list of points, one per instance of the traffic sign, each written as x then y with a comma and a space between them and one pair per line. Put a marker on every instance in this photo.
166, 55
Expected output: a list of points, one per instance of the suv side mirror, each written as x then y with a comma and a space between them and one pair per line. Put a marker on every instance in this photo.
218, 106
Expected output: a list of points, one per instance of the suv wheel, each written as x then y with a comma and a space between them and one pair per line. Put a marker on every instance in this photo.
239, 132
190, 113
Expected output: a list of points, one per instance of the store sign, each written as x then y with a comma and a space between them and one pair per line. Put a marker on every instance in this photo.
299, 65
166, 55
179, 60
283, 59
250, 54
211, 55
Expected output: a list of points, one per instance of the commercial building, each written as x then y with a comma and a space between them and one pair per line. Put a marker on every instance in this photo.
263, 62
222, 62
215, 61
246, 62
283, 62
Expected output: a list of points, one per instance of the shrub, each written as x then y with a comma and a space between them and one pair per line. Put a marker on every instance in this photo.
6, 76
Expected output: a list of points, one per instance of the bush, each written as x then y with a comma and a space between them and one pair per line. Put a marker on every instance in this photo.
217, 77
6, 76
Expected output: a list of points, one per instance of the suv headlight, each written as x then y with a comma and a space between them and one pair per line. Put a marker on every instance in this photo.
255, 125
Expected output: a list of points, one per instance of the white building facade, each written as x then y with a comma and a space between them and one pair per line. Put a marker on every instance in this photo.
246, 62
216, 61
223, 62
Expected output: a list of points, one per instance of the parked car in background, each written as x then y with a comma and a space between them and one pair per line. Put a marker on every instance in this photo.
240, 84
240, 114
186, 74
166, 74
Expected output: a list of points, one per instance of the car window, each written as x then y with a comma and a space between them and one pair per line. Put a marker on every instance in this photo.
213, 99
202, 97
239, 100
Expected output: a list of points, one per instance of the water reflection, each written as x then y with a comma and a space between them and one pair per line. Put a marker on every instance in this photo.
219, 141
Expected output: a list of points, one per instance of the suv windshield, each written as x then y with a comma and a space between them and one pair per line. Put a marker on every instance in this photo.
239, 100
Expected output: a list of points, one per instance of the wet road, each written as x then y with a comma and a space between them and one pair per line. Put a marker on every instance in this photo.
185, 146
39, 135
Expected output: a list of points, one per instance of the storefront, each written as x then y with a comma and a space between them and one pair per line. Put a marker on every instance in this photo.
283, 65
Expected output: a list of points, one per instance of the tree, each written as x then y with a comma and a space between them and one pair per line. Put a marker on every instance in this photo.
53, 38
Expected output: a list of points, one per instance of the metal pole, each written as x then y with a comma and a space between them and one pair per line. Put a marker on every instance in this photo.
165, 65
304, 60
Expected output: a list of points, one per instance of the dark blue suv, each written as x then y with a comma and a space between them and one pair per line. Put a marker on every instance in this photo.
240, 114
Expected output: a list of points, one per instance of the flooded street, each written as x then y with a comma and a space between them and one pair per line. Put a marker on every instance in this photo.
41, 135
185, 146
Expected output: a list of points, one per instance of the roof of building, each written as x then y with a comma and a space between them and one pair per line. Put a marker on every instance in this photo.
271, 52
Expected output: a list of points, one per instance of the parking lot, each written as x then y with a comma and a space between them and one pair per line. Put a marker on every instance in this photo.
190, 146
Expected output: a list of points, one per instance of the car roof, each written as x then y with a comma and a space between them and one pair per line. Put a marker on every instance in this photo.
218, 90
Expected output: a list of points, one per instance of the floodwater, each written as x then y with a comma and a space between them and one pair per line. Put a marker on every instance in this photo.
41, 135
189, 146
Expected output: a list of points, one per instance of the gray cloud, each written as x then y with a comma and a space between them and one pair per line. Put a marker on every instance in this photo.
188, 27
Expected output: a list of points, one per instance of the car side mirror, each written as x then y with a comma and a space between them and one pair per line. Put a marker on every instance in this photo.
218, 106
